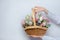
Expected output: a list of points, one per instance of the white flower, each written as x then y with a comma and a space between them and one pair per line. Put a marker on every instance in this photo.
26, 22
44, 23
30, 23
41, 18
39, 21
27, 17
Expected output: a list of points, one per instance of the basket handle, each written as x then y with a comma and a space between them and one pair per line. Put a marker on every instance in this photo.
33, 14
34, 21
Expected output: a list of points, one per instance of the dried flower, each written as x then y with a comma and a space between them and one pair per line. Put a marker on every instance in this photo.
41, 18
40, 21
30, 23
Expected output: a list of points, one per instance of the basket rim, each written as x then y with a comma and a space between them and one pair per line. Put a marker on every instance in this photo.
35, 27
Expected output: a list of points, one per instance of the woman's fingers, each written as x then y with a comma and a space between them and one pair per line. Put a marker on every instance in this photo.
36, 36
38, 9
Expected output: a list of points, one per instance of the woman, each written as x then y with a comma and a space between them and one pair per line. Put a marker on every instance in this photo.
55, 22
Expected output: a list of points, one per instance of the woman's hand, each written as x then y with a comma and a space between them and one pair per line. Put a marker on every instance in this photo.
35, 36
38, 9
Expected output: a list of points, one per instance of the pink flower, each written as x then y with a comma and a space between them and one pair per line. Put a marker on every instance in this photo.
36, 19
23, 22
43, 24
46, 19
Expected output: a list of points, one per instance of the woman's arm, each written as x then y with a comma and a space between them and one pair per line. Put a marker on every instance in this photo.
54, 18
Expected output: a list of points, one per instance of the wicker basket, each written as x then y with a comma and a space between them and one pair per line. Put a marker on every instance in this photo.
35, 30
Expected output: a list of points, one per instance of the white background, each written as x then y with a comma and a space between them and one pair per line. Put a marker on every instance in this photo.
13, 11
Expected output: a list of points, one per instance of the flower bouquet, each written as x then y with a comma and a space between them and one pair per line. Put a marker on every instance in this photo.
35, 24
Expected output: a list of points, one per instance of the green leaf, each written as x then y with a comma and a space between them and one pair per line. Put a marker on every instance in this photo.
48, 25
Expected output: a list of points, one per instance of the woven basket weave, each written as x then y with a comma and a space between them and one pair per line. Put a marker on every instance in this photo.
35, 30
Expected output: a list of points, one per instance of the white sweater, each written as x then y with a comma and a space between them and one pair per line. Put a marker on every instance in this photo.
54, 18
54, 30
